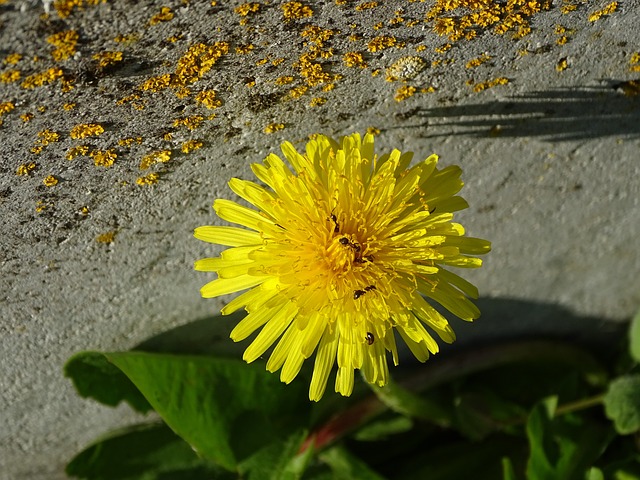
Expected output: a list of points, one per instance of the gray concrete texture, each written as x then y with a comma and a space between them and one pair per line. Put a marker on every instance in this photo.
550, 152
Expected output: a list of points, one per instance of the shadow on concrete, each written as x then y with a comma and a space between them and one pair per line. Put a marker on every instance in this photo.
502, 320
554, 115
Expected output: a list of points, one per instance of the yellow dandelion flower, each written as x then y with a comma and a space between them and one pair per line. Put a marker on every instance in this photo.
341, 251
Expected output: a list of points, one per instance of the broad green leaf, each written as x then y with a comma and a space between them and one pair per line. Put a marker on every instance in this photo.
142, 452
225, 409
95, 377
278, 460
634, 337
622, 404
565, 446
345, 466
382, 428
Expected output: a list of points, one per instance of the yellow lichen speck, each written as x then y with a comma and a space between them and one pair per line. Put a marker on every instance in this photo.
273, 127
404, 92
381, 42
150, 179
165, 15
50, 181
85, 130
354, 59
65, 43
162, 156
190, 146
608, 10
296, 11
25, 169
103, 158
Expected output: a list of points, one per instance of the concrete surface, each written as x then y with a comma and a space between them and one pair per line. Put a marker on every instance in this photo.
551, 162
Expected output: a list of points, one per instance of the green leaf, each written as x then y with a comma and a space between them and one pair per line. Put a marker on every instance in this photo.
345, 466
225, 409
142, 452
94, 377
565, 446
479, 413
622, 404
507, 469
407, 403
634, 337
594, 473
539, 423
279, 459
382, 428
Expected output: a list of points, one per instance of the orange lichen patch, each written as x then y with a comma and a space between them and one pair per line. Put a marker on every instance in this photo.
404, 92
421, 48
198, 60
129, 98
50, 181
40, 206
464, 19
366, 6
6, 107
284, 80
156, 84
478, 87
192, 122
381, 42
317, 101
476, 62
190, 146
12, 59
561, 65
209, 99
65, 42
608, 10
68, 106
25, 169
429, 89
107, 237
568, 8
318, 35
27, 117
262, 61
247, 8
65, 7
311, 71
244, 49
48, 136
444, 48
127, 142
162, 156
273, 127
354, 59
277, 61
165, 15
167, 137
42, 78
405, 68
73, 152
329, 86
103, 158
378, 26
148, 180
10, 76
295, 11
107, 58
85, 130
126, 39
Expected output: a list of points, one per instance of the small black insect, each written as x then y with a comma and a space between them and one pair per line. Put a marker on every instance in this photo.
370, 338
369, 288
334, 219
358, 293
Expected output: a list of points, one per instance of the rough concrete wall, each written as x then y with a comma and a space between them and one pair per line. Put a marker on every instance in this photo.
550, 153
